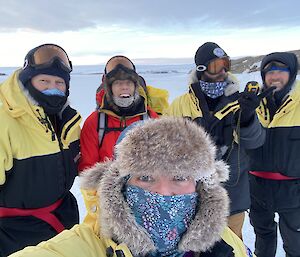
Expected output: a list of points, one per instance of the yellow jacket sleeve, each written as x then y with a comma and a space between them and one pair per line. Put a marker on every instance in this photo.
90, 198
184, 106
80, 241
158, 99
6, 159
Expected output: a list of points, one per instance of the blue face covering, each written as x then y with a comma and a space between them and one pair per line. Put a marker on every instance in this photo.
213, 89
165, 218
53, 91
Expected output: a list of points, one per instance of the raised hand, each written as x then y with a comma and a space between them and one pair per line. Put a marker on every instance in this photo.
249, 101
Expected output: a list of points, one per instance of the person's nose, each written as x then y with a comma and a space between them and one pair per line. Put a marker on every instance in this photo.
52, 84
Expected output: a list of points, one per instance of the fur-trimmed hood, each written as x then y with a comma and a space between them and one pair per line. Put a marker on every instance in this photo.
175, 146
232, 87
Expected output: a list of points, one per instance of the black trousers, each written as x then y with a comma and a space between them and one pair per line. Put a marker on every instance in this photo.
267, 198
19, 232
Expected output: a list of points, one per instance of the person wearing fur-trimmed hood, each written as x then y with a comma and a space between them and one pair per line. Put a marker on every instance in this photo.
214, 102
156, 198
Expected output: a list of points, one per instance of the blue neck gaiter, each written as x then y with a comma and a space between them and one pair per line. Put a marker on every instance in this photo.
53, 91
165, 218
213, 89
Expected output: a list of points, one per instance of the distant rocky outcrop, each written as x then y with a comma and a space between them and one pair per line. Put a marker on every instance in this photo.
251, 63
2, 74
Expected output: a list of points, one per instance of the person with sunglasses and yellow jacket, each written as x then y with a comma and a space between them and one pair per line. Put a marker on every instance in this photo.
275, 166
214, 102
39, 150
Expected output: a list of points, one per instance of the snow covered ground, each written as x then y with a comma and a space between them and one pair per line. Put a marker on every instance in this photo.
171, 77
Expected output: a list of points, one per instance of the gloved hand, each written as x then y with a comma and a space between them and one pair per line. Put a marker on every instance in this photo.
249, 101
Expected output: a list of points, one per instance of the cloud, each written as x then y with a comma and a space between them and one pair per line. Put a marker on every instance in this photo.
67, 15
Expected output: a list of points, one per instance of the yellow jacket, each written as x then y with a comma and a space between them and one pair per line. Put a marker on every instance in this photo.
38, 165
86, 240
280, 151
81, 240
22, 131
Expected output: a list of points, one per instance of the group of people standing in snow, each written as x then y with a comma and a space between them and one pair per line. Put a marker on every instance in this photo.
157, 179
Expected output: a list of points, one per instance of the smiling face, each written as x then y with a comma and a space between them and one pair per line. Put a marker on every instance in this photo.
43, 82
277, 78
123, 88
164, 185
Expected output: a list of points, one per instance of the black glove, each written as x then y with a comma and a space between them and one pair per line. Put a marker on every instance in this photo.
249, 101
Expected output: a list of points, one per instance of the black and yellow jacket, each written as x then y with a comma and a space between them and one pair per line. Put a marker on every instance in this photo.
37, 168
280, 152
221, 126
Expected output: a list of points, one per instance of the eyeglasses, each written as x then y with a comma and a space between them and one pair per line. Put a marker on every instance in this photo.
45, 55
216, 66
118, 60
275, 66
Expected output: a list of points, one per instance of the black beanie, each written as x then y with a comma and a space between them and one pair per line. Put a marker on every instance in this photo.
207, 52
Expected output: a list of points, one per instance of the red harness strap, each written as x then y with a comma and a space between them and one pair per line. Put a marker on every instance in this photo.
40, 213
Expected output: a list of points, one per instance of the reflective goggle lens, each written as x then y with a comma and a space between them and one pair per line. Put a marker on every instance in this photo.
217, 65
45, 55
112, 63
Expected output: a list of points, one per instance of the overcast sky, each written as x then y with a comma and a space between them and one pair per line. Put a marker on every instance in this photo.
91, 31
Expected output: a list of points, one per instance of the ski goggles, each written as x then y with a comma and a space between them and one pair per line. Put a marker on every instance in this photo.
271, 66
118, 60
216, 66
45, 55
121, 68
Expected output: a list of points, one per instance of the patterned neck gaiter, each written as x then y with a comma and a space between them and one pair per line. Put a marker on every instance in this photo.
213, 89
165, 218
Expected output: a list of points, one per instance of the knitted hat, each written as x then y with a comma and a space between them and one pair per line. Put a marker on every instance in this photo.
172, 146
207, 52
